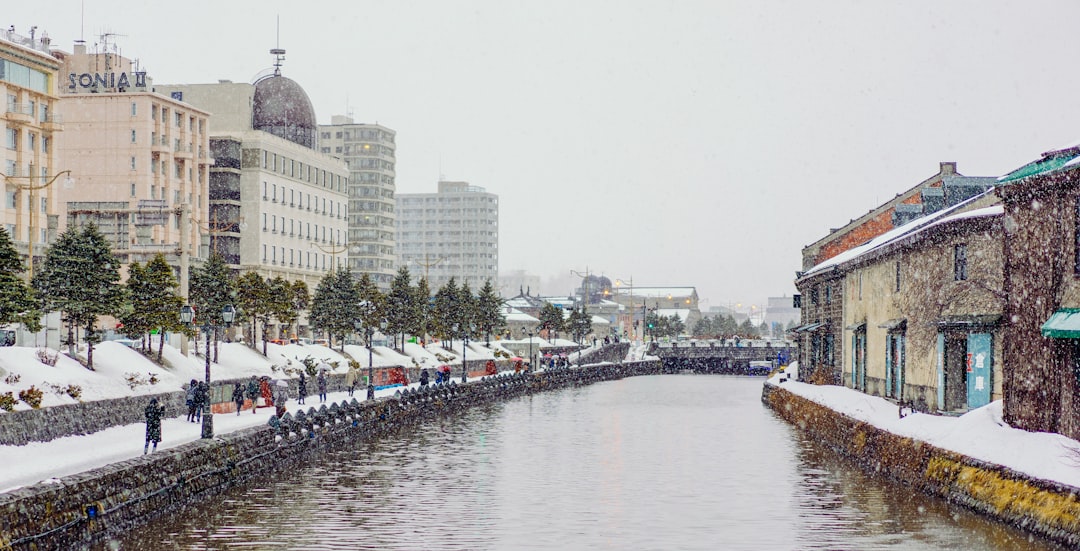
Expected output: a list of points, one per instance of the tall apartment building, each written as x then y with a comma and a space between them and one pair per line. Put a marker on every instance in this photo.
277, 205
369, 153
451, 233
28, 83
139, 160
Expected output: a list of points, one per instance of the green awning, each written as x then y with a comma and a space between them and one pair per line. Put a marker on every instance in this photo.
1042, 166
1063, 324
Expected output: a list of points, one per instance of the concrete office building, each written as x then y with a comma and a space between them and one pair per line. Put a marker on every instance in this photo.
138, 159
451, 233
369, 153
277, 206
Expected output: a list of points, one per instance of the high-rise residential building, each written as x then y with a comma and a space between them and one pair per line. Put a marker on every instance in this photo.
369, 153
28, 84
277, 206
451, 233
139, 160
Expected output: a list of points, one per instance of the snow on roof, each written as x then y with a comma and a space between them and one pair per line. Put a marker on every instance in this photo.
597, 320
938, 217
683, 313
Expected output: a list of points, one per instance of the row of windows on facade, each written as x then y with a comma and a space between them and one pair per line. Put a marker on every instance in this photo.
162, 167
11, 139
372, 235
179, 145
24, 76
960, 273
297, 200
358, 177
363, 150
446, 198
364, 191
11, 201
293, 225
44, 235
360, 134
30, 108
305, 173
178, 116
270, 256
370, 164
11, 168
450, 212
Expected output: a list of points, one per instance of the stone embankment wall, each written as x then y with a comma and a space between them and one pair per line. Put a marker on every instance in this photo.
1046, 508
76, 510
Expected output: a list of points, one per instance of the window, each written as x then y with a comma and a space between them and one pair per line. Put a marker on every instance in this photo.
12, 138
133, 163
133, 186
10, 200
860, 285
960, 262
31, 141
44, 144
133, 134
134, 109
828, 293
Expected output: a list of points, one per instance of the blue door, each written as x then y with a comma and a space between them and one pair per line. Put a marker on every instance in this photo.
980, 363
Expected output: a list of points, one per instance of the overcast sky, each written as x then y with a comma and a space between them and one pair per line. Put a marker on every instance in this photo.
697, 143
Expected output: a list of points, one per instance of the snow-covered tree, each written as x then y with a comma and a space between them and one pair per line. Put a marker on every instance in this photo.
17, 302
373, 311
551, 318
402, 314
580, 324
425, 307
446, 302
334, 304
81, 278
153, 302
252, 296
212, 288
489, 315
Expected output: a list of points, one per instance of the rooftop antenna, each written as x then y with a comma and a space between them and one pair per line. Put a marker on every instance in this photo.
278, 52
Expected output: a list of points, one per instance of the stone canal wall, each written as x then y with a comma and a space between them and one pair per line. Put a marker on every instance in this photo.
1046, 508
72, 512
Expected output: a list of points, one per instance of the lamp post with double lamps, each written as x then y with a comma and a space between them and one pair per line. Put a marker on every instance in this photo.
187, 316
31, 187
466, 330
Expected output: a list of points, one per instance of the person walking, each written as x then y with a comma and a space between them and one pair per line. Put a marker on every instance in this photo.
423, 377
153, 413
238, 397
190, 400
352, 377
202, 398
265, 390
252, 393
302, 388
320, 379
281, 395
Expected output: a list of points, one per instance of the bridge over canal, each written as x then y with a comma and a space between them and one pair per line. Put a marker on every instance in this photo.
718, 356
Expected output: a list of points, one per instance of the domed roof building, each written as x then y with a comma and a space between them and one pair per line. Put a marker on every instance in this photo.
282, 108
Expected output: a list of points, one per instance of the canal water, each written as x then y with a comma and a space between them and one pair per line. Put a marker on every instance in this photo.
659, 462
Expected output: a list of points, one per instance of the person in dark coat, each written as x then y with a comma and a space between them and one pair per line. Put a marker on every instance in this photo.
153, 424
238, 397
303, 388
321, 380
252, 392
190, 399
423, 377
202, 397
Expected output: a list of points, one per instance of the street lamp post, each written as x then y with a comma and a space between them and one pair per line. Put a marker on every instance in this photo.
187, 316
618, 282
30, 187
529, 332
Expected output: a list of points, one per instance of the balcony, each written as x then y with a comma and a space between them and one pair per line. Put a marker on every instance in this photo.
19, 113
52, 123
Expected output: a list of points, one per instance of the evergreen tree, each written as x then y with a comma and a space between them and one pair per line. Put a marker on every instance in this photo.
675, 326
489, 314
401, 307
580, 323
17, 302
212, 288
252, 296
153, 302
281, 305
747, 329
465, 315
373, 311
446, 303
301, 300
334, 304
703, 327
426, 307
551, 319
81, 278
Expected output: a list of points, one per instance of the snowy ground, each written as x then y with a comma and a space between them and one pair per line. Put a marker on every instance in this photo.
980, 433
44, 461
120, 371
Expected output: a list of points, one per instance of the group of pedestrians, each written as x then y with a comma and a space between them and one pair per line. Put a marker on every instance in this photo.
197, 397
